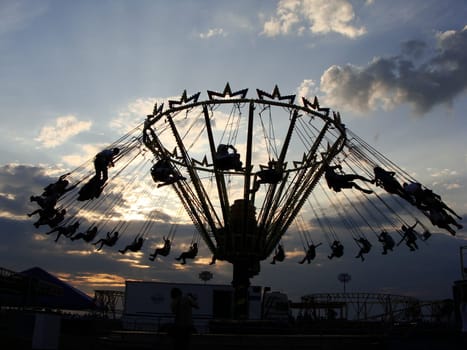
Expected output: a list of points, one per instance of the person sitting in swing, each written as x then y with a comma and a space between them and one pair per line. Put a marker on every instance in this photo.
440, 218
310, 253
365, 247
53, 192
426, 200
409, 236
224, 160
104, 160
87, 236
47, 211
337, 250
279, 254
337, 181
58, 188
190, 254
50, 216
164, 250
44, 202
387, 240
432, 201
92, 189
386, 179
109, 240
273, 174
415, 191
164, 172
67, 231
134, 246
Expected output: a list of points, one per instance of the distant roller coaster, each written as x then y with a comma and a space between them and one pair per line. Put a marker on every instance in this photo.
374, 307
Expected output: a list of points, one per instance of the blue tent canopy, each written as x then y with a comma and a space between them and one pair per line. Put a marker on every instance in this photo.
69, 298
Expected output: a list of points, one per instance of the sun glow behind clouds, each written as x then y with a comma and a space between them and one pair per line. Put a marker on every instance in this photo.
98, 280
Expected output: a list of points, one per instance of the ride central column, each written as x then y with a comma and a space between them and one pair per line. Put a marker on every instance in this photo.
241, 284
243, 253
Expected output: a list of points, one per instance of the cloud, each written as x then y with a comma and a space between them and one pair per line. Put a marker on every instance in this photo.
65, 127
213, 33
390, 81
98, 280
306, 89
316, 16
413, 48
133, 114
85, 153
17, 184
453, 186
441, 173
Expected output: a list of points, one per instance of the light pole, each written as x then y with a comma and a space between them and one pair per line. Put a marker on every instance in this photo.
344, 278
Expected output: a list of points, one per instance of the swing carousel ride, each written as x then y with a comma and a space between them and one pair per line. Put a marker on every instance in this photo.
245, 171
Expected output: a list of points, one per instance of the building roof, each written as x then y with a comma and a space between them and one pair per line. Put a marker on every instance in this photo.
58, 295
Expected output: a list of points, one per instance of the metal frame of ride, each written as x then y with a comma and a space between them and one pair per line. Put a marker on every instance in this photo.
243, 169
232, 231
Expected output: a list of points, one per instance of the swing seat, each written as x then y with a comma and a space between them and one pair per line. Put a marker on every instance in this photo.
92, 189
270, 176
160, 174
164, 252
229, 162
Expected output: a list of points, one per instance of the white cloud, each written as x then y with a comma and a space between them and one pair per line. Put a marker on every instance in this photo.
87, 152
136, 111
64, 128
212, 33
453, 186
318, 16
306, 89
442, 173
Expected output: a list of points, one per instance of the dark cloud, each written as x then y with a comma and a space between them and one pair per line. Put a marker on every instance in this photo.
389, 81
17, 184
413, 48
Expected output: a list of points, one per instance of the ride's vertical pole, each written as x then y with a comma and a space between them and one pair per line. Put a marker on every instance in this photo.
249, 147
463, 250
247, 230
242, 263
241, 284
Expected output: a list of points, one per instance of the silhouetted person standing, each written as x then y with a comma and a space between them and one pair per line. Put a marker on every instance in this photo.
181, 306
104, 160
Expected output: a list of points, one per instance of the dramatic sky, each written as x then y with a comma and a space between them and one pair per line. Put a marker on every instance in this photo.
76, 74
